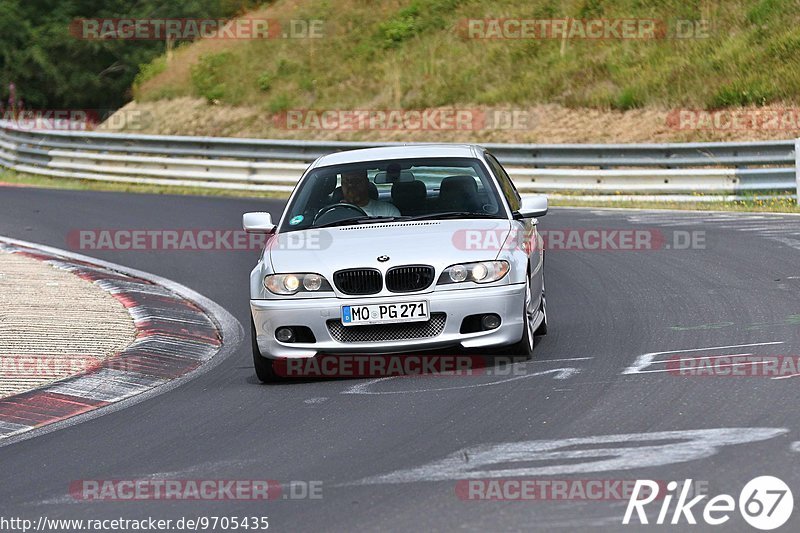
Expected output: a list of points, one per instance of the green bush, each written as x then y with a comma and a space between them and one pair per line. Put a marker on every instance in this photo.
629, 98
207, 78
591, 9
764, 10
150, 70
402, 27
281, 102
265, 82
418, 17
738, 94
286, 67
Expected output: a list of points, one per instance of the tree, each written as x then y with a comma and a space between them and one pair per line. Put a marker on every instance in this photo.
52, 68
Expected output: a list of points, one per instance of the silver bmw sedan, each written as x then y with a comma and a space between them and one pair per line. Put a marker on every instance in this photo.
395, 249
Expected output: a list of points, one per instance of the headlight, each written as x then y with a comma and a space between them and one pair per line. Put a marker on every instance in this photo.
482, 272
287, 284
291, 283
312, 282
457, 273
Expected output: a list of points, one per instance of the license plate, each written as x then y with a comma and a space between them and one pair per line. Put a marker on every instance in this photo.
354, 315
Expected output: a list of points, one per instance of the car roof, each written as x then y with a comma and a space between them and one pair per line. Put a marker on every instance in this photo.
405, 151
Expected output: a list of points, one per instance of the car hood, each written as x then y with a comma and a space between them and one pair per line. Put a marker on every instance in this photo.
437, 243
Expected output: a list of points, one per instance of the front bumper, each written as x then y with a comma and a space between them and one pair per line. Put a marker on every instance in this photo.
506, 301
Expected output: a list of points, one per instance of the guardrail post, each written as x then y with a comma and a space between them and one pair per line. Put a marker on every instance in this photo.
797, 167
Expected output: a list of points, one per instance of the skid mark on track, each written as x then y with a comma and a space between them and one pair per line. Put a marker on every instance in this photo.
783, 229
578, 455
315, 400
791, 321
364, 388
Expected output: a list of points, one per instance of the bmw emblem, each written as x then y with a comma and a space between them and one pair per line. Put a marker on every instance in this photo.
383, 258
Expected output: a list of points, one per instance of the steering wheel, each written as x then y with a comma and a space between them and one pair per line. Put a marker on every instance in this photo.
337, 212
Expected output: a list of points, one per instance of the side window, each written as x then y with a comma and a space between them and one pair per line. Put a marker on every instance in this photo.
509, 191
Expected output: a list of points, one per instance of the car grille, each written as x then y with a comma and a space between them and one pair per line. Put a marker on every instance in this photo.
388, 332
358, 281
409, 278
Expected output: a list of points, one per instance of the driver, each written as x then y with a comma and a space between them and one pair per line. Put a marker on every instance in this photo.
355, 190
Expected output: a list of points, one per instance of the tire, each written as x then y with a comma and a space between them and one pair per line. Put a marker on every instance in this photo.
541, 331
265, 368
525, 345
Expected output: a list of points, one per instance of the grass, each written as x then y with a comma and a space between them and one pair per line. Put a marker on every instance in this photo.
30, 180
416, 54
776, 205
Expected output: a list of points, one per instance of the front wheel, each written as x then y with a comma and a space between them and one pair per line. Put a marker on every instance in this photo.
525, 346
541, 331
265, 368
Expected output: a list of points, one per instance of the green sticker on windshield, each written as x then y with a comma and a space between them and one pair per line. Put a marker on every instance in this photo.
296, 220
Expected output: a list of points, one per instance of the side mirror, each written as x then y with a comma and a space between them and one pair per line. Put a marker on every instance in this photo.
257, 223
532, 206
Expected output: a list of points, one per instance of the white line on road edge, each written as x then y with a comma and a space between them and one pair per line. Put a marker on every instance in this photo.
745, 214
645, 360
561, 360
678, 372
785, 377
694, 359
232, 335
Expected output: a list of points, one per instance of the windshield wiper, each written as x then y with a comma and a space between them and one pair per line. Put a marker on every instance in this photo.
453, 214
363, 220
379, 219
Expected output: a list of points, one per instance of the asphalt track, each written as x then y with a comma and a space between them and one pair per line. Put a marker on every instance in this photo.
379, 456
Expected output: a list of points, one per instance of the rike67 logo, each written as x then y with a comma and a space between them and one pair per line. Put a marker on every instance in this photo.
765, 503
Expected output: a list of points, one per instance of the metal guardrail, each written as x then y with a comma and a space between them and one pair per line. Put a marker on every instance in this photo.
275, 165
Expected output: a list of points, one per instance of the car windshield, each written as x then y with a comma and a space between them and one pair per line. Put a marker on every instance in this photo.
398, 189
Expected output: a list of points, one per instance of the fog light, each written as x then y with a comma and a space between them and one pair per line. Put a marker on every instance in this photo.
285, 335
490, 322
